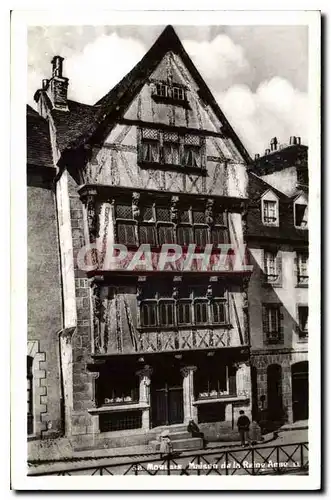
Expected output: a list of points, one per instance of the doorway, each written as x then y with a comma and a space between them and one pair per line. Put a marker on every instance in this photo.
300, 391
275, 394
167, 397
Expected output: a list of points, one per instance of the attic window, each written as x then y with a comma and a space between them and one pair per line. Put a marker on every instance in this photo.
270, 209
166, 92
300, 215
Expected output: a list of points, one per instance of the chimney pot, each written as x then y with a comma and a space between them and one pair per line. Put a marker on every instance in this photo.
57, 63
293, 140
298, 140
257, 156
267, 151
273, 143
45, 84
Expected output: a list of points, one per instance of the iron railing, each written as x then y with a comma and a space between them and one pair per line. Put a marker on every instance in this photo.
258, 460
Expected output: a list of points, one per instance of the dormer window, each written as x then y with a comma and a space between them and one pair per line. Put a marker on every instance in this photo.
300, 209
270, 209
300, 216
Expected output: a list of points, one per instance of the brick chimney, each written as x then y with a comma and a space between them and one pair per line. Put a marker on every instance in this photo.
57, 88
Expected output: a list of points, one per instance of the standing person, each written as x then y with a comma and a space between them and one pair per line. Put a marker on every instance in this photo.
243, 424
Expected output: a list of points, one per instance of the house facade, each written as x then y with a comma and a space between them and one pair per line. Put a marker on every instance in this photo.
151, 169
277, 238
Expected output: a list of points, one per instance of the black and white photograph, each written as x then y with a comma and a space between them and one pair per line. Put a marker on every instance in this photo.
172, 182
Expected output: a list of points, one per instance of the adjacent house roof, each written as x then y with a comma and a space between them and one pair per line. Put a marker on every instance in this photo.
256, 230
289, 156
39, 151
83, 123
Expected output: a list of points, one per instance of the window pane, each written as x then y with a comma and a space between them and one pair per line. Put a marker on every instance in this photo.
148, 314
219, 235
201, 312
126, 233
201, 236
303, 318
166, 313
163, 214
171, 153
269, 211
184, 235
166, 234
218, 312
184, 313
123, 211
147, 234
150, 151
191, 156
301, 215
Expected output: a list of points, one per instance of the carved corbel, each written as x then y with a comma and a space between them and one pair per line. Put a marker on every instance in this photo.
174, 209
135, 205
209, 212
209, 293
175, 293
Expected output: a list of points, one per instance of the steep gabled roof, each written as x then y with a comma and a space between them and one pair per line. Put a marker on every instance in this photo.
38, 143
113, 105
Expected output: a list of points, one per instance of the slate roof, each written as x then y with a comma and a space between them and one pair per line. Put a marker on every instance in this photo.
286, 230
84, 122
291, 155
38, 147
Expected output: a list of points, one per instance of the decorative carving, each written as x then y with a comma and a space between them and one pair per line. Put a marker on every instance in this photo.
174, 208
186, 370
146, 371
139, 293
135, 205
175, 292
209, 212
96, 301
209, 293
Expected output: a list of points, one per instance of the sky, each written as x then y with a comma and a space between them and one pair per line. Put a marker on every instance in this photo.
258, 74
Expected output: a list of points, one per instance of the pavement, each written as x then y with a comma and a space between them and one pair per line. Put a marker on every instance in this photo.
136, 453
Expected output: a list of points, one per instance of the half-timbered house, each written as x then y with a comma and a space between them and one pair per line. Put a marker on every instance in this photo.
153, 162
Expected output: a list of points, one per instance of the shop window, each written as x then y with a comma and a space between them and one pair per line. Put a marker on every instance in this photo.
115, 390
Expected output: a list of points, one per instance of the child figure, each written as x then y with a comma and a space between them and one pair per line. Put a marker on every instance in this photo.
166, 444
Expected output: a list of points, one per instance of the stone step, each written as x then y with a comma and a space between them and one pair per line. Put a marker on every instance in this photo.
180, 444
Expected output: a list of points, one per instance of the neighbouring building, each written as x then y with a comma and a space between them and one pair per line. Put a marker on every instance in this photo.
277, 237
153, 162
44, 285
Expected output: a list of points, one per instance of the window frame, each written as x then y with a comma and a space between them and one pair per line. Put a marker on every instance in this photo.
302, 333
270, 197
271, 336
300, 226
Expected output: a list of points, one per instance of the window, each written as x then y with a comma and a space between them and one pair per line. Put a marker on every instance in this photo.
302, 269
29, 378
272, 267
201, 312
166, 91
184, 312
212, 381
301, 215
119, 421
125, 224
113, 389
192, 307
171, 148
150, 146
303, 322
166, 313
269, 212
148, 313
273, 332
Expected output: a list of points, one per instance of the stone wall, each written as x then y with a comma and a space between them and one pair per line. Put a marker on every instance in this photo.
44, 304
